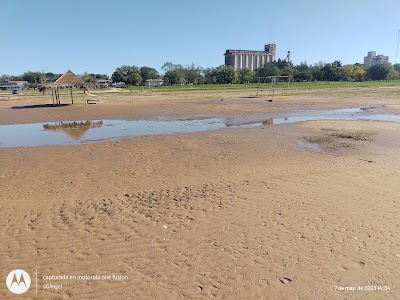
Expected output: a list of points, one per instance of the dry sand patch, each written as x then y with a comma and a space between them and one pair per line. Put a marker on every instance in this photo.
241, 213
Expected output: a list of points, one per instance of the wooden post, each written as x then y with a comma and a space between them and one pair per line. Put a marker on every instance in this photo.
84, 92
72, 98
287, 88
58, 97
52, 96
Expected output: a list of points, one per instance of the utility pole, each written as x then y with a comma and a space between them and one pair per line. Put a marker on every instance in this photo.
397, 50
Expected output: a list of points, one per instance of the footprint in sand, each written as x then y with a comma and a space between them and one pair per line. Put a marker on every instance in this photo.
354, 265
285, 280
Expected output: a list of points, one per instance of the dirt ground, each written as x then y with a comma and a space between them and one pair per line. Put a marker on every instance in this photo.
238, 213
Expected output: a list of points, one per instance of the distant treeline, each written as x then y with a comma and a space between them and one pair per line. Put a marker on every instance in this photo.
36, 79
335, 71
176, 74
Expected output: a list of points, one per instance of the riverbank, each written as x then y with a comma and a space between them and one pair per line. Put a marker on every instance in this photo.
236, 213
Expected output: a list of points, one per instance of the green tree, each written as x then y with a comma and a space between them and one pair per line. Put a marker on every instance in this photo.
174, 74
201, 74
316, 71
193, 74
282, 64
337, 63
148, 73
136, 79
52, 76
331, 72
347, 72
101, 76
269, 69
225, 74
4, 77
210, 76
33, 77
89, 78
15, 78
126, 74
245, 76
393, 74
168, 66
379, 71
288, 71
302, 72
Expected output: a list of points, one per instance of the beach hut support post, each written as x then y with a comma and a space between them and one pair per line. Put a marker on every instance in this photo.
72, 98
52, 96
58, 97
86, 93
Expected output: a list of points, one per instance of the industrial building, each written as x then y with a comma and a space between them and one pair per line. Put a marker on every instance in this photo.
250, 59
372, 58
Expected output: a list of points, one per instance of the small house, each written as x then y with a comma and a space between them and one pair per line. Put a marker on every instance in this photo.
154, 82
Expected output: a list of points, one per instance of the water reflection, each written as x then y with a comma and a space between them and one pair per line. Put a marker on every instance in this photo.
268, 122
74, 129
76, 132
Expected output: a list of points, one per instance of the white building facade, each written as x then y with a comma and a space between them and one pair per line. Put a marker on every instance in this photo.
154, 82
372, 58
250, 59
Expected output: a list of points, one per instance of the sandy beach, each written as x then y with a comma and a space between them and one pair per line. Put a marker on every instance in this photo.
235, 213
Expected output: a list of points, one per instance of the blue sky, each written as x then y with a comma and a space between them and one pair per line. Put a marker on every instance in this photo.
97, 36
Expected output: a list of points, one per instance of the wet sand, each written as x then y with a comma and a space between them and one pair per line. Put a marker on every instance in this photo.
238, 213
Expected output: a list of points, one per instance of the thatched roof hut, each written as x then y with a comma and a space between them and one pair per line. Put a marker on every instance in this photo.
69, 79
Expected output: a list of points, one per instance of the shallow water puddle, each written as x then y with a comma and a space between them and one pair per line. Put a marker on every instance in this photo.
77, 132
345, 114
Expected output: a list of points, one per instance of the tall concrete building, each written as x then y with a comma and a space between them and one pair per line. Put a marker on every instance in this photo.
372, 58
250, 59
